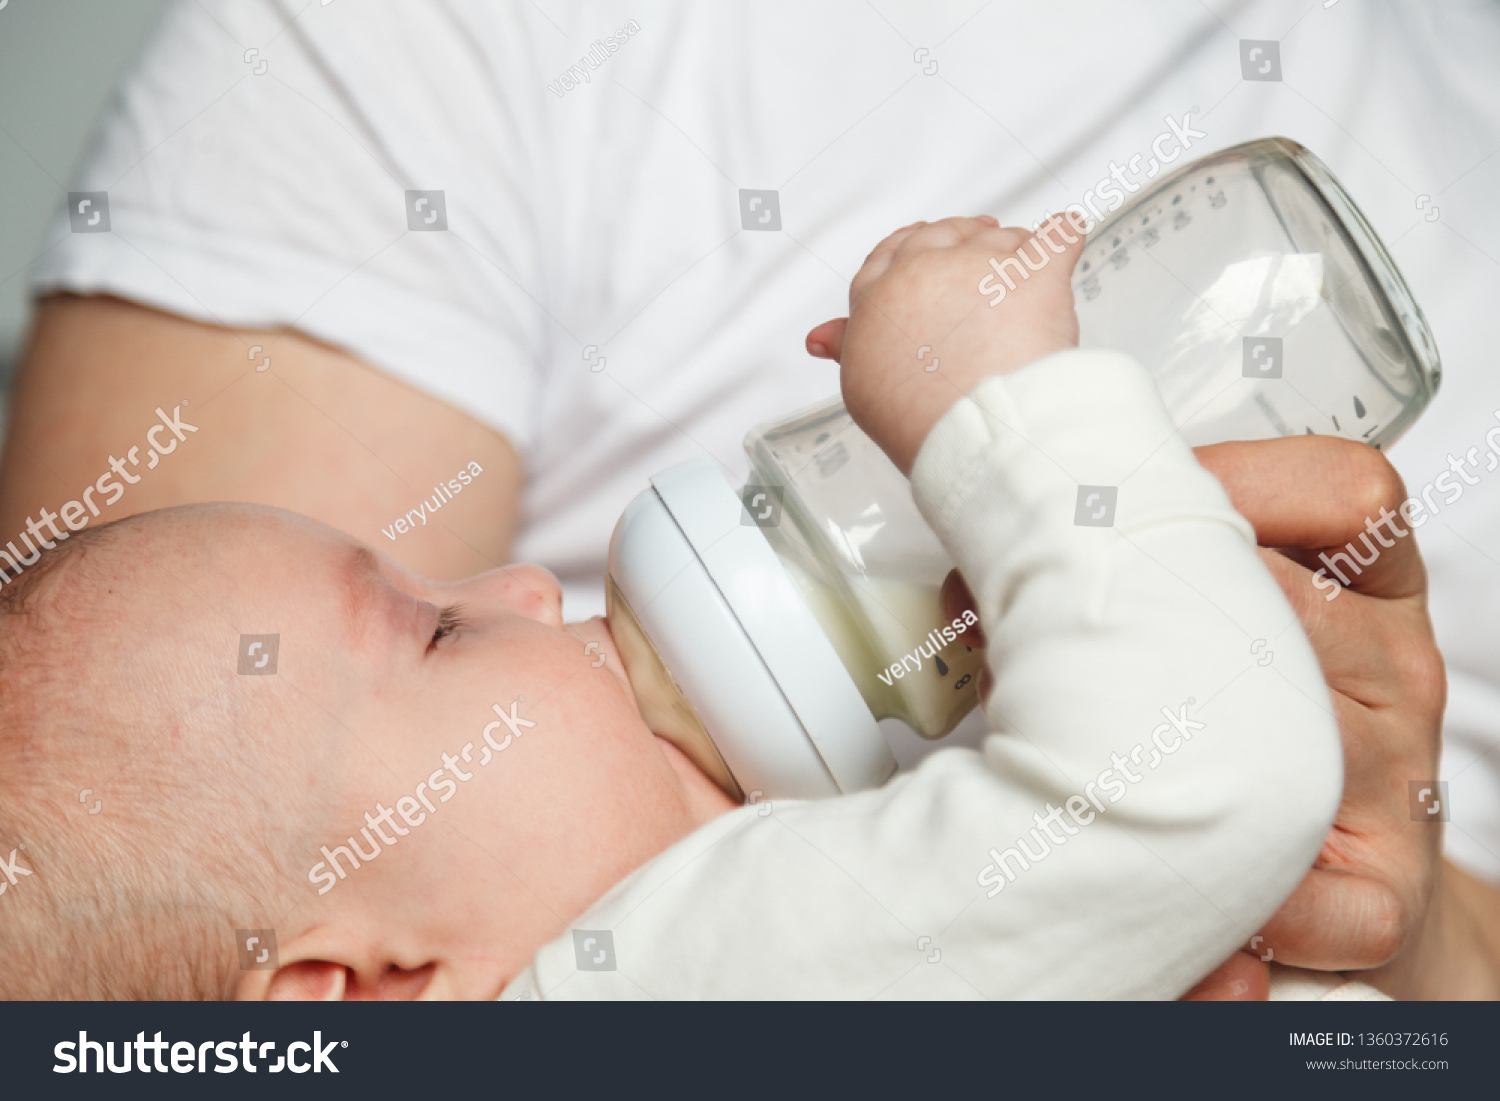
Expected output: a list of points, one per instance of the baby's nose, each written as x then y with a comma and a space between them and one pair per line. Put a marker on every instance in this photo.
526, 590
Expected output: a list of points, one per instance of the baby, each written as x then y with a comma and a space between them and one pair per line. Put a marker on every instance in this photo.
316, 775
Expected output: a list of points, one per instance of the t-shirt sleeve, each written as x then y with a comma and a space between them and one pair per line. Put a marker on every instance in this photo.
257, 163
1156, 783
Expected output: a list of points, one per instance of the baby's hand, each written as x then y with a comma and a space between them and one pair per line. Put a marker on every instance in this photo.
938, 308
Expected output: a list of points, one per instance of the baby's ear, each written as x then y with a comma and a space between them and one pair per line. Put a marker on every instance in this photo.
323, 981
303, 981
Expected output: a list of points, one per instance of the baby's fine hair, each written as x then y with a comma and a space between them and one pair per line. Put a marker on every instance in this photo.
130, 856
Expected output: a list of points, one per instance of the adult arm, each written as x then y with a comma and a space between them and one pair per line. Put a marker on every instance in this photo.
318, 432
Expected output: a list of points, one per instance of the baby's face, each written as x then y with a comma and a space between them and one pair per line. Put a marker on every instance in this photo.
499, 752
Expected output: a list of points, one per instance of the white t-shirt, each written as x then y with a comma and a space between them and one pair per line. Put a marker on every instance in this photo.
595, 296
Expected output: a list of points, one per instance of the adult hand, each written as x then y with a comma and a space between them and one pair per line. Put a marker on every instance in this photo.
1367, 901
1379, 898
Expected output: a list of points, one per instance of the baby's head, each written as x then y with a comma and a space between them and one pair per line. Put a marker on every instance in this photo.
223, 778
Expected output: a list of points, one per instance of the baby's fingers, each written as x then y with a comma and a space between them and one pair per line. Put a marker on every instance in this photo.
879, 259
827, 340
924, 235
945, 233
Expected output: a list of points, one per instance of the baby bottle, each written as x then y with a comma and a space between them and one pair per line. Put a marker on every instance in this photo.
869, 567
767, 631
1261, 300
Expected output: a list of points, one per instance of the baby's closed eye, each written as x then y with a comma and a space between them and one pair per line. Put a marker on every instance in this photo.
450, 622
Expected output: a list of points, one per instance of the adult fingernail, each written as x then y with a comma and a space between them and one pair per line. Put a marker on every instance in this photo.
817, 349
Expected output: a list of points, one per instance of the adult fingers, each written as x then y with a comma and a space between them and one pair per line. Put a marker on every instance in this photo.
1339, 921
1378, 652
1325, 500
1241, 978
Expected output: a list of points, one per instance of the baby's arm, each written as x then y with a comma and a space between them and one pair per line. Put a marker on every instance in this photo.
1152, 791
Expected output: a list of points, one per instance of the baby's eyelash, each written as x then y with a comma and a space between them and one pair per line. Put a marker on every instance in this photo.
450, 621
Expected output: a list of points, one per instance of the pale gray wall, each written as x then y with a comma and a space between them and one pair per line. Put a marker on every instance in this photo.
59, 60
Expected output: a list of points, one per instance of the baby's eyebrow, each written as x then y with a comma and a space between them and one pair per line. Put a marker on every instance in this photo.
365, 591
